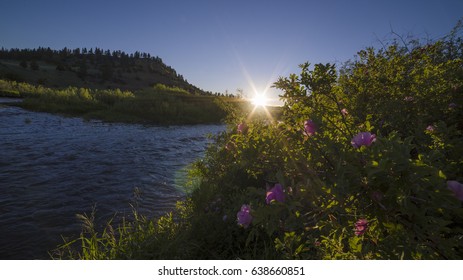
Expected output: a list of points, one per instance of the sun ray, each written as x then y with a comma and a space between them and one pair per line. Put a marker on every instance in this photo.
260, 99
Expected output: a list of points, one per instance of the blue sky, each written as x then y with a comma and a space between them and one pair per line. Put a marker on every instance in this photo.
225, 45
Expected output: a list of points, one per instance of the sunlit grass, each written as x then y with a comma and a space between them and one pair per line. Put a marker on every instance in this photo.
158, 105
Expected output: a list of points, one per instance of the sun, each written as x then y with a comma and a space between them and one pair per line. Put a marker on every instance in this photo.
259, 100
261, 109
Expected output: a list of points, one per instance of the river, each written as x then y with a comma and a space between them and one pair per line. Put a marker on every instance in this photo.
53, 167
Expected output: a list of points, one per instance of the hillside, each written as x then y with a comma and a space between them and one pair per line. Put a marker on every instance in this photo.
89, 68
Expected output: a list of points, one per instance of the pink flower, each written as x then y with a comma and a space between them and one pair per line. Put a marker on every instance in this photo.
310, 128
275, 193
363, 139
242, 128
457, 189
453, 105
244, 216
430, 128
344, 112
361, 226
409, 98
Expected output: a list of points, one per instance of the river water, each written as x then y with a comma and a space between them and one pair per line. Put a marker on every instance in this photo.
52, 168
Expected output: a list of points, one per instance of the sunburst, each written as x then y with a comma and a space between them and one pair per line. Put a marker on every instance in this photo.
260, 99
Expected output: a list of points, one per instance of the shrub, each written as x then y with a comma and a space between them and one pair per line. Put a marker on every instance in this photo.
363, 176
365, 164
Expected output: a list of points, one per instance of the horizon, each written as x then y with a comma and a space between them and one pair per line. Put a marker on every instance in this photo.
220, 46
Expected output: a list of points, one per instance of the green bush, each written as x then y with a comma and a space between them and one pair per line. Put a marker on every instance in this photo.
365, 164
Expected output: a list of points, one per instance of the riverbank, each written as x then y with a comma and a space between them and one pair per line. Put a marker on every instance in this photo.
157, 105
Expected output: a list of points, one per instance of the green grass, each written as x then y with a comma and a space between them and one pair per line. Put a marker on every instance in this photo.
158, 105
9, 93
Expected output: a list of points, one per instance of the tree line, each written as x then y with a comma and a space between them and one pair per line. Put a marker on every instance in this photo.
108, 63
48, 53
79, 60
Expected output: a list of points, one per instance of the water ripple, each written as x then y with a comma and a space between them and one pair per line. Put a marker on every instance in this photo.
52, 168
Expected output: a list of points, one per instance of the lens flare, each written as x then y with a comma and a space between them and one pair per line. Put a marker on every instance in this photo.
259, 100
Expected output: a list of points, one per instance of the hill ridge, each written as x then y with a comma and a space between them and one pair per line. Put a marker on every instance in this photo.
90, 68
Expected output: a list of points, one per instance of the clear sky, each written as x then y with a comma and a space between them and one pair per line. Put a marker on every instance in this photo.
225, 45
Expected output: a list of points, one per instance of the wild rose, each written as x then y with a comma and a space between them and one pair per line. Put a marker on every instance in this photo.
363, 139
310, 128
242, 128
244, 217
453, 105
361, 227
344, 112
430, 128
409, 98
457, 189
275, 193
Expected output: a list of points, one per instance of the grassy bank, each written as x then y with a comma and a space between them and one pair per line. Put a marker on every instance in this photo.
157, 105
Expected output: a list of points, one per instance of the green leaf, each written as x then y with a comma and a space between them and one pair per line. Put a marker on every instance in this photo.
355, 244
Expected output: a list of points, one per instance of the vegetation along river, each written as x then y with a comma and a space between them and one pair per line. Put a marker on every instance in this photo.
52, 168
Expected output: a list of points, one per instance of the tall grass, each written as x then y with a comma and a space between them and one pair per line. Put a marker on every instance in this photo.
159, 105
141, 238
